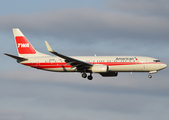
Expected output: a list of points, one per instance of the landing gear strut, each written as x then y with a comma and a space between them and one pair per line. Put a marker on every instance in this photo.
151, 72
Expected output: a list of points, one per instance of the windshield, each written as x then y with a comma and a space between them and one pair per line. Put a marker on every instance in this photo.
156, 61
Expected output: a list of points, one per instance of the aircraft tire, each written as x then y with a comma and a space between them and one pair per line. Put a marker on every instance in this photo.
150, 76
90, 77
84, 75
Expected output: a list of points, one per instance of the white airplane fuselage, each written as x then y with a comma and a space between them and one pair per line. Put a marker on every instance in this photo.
114, 63
104, 65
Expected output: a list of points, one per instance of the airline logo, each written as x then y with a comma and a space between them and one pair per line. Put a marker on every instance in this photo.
126, 58
22, 45
135, 58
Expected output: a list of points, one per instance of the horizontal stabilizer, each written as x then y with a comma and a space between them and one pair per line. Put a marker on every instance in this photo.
16, 57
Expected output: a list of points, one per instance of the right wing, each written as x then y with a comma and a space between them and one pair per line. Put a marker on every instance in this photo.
70, 61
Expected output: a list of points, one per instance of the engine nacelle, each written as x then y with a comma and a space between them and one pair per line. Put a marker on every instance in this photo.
99, 68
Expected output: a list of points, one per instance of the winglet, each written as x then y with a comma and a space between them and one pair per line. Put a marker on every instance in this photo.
48, 47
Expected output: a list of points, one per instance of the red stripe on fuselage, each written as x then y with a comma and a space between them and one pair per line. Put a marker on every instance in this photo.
61, 65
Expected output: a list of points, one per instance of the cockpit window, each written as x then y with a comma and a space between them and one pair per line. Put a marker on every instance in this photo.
156, 61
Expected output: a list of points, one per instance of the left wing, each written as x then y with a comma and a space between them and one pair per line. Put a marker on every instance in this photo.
70, 61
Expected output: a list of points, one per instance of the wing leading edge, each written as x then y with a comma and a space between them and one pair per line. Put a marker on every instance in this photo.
81, 65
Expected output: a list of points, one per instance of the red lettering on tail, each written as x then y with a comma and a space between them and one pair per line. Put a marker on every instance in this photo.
24, 47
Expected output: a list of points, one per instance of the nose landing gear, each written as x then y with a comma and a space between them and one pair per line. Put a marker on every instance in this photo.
151, 72
149, 76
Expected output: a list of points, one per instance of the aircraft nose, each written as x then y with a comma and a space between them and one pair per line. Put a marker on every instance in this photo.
164, 65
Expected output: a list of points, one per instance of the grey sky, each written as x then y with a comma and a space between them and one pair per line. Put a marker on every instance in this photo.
109, 27
141, 7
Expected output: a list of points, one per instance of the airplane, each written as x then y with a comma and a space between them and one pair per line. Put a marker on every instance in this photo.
106, 66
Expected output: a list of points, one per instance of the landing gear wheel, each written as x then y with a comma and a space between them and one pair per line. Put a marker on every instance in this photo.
150, 76
90, 77
84, 75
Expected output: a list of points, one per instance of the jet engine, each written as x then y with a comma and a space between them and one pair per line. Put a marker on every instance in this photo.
99, 68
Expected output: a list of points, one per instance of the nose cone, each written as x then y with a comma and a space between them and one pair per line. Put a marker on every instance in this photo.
165, 65
162, 66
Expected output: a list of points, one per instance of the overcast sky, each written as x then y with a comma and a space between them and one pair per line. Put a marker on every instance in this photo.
85, 27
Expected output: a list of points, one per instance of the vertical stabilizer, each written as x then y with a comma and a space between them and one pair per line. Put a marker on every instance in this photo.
24, 47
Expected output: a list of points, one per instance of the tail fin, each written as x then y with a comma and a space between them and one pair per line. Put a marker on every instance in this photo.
25, 49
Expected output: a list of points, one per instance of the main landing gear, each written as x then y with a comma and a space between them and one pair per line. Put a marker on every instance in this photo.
90, 77
84, 75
